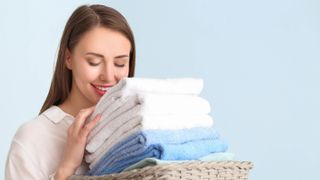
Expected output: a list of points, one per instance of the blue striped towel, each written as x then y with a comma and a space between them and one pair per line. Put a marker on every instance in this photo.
149, 144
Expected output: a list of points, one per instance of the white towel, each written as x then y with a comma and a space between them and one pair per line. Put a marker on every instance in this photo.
128, 86
148, 121
190, 86
151, 103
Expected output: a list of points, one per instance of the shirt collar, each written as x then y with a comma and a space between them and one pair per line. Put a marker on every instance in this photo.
55, 114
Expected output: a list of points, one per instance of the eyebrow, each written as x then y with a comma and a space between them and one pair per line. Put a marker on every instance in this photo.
95, 54
121, 56
101, 56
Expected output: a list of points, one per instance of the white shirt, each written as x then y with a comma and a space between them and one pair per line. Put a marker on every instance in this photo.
38, 145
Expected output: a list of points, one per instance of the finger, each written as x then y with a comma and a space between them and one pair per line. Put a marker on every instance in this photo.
70, 130
81, 119
89, 126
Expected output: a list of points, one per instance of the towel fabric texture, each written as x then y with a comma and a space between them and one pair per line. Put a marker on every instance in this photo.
173, 122
152, 104
130, 86
142, 145
152, 121
156, 136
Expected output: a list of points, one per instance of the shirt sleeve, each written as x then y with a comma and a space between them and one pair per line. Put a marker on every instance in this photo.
19, 165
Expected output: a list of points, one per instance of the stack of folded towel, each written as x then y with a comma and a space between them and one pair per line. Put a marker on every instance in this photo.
145, 118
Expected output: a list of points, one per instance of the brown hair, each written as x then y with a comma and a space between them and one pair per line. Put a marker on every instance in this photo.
83, 19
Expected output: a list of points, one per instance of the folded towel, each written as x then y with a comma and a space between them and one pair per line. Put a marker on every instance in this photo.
159, 136
128, 106
151, 103
222, 156
151, 151
120, 134
148, 122
129, 86
138, 147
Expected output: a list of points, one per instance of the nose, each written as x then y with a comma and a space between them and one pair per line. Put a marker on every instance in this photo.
107, 74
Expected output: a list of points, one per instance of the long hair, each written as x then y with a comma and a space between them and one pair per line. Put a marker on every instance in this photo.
83, 19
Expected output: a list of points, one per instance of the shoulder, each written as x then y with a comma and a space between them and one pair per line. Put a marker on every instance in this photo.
22, 157
38, 144
46, 126
32, 128
28, 158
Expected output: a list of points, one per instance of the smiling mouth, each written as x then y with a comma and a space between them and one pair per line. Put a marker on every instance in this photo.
101, 90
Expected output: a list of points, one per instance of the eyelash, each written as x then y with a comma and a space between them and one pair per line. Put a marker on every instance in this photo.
117, 65
120, 65
93, 64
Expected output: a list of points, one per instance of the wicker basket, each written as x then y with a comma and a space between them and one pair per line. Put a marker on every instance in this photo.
223, 170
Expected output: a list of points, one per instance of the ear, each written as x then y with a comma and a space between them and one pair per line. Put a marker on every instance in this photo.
68, 59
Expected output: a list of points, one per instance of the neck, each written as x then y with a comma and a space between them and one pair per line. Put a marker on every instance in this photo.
73, 104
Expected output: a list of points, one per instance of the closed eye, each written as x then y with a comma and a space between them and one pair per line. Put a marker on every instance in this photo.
120, 65
93, 64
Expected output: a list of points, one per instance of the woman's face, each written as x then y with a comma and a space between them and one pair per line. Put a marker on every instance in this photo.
99, 61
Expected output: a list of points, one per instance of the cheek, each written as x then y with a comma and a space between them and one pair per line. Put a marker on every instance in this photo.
86, 74
122, 72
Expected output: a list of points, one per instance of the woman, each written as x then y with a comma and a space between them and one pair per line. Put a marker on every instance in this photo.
97, 50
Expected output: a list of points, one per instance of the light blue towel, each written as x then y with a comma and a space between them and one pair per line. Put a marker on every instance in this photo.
180, 136
148, 144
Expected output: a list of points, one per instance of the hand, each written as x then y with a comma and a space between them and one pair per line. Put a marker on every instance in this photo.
76, 142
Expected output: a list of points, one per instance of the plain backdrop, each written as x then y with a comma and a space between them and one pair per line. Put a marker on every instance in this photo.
260, 61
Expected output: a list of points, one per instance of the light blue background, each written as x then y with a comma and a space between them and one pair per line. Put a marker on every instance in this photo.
260, 61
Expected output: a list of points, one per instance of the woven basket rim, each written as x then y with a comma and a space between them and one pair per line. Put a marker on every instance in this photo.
196, 164
246, 165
